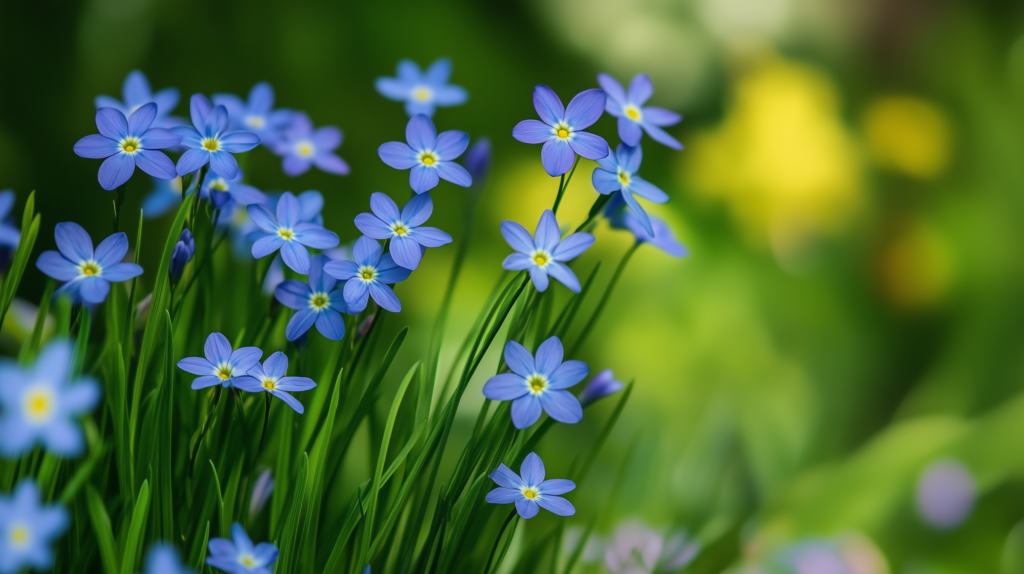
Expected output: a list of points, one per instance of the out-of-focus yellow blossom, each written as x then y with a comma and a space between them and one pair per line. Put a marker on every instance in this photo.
781, 158
908, 135
915, 267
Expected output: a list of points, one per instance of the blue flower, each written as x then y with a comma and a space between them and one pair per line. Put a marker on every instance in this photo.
207, 142
88, 273
420, 91
310, 204
27, 528
270, 378
561, 128
531, 492
408, 239
163, 559
39, 404
137, 93
222, 366
9, 234
428, 155
602, 385
126, 143
536, 385
543, 255
165, 196
369, 274
319, 301
288, 233
633, 117
239, 556
222, 191
617, 172
184, 249
257, 115
621, 218
303, 147
478, 161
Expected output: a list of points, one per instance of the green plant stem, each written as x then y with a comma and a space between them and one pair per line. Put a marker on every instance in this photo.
497, 540
117, 207
195, 206
563, 185
604, 300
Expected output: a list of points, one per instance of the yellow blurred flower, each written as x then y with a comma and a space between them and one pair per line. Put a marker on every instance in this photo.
782, 158
908, 135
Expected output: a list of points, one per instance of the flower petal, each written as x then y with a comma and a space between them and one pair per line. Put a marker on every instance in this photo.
517, 236
504, 495
384, 207
330, 325
525, 411
568, 374
217, 348
196, 366
585, 108
312, 235
589, 145
527, 508
661, 136
390, 272
450, 95
439, 72
266, 245
356, 295
629, 131
397, 155
539, 277
547, 234
115, 170
296, 384
532, 132
111, 250
647, 190
455, 173
562, 406
549, 107
300, 322
155, 163
605, 181
111, 123
224, 164
55, 265
371, 226
451, 144
572, 246
295, 257
660, 117
291, 402
564, 275
506, 477
556, 505
557, 157
73, 242
420, 133
141, 119
417, 211
430, 236
293, 294
121, 272
556, 486
159, 138
96, 146
532, 470
405, 251
192, 160
262, 218
505, 387
613, 89
637, 212
517, 262
423, 178
366, 251
549, 356
519, 360
245, 358
238, 142
392, 88
93, 289
331, 163
640, 89
341, 270
385, 297
289, 212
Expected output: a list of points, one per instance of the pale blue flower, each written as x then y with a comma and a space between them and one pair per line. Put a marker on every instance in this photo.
28, 528
428, 155
222, 366
162, 558
288, 233
87, 273
368, 275
408, 238
239, 556
422, 91
321, 300
633, 115
544, 253
529, 491
136, 93
602, 385
270, 378
617, 172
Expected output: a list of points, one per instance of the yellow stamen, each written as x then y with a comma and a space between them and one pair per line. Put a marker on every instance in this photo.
305, 149
633, 113
19, 536
563, 133
89, 268
224, 372
129, 148
367, 273
130, 145
269, 384
422, 94
39, 404
286, 234
318, 301
210, 144
541, 259
247, 560
624, 178
537, 383
400, 229
219, 184
530, 493
255, 122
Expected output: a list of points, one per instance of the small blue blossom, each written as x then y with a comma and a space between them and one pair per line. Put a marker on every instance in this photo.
320, 301
288, 233
88, 273
270, 378
368, 274
207, 141
530, 492
538, 385
622, 218
9, 234
310, 204
544, 253
408, 239
166, 195
184, 249
602, 385
222, 191
239, 556
561, 128
428, 155
124, 144
222, 366
632, 116
303, 147
617, 172
163, 559
136, 93
257, 115
27, 528
478, 162
420, 91
39, 404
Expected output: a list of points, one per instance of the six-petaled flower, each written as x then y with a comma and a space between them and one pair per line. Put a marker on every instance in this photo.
403, 229
137, 93
126, 143
536, 385
544, 253
288, 233
257, 114
222, 366
27, 528
209, 142
303, 147
422, 91
320, 301
634, 116
561, 128
529, 491
88, 273
428, 155
617, 172
368, 275
270, 378
239, 555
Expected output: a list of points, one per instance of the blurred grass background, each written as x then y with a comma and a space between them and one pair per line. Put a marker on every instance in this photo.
852, 193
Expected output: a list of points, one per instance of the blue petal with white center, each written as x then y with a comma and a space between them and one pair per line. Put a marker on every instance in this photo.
428, 155
544, 254
221, 366
404, 229
239, 555
561, 128
124, 143
136, 93
617, 172
369, 274
28, 528
302, 147
87, 274
530, 492
318, 301
270, 378
208, 141
422, 92
634, 118
288, 233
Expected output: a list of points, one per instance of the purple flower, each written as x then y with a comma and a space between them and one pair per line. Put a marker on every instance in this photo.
222, 366
408, 239
544, 253
617, 172
239, 556
428, 155
633, 117
945, 494
319, 301
126, 143
536, 385
369, 274
561, 128
88, 273
270, 378
420, 91
602, 385
304, 147
621, 218
288, 233
257, 115
207, 142
531, 492
136, 93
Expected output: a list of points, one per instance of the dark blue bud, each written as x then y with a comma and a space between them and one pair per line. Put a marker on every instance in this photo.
478, 162
184, 249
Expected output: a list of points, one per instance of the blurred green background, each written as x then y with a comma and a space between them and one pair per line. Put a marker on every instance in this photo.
852, 193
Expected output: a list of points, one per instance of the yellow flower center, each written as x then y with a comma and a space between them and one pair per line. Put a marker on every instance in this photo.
305, 149
256, 122
210, 144
563, 133
531, 493
624, 177
224, 372
367, 273
89, 268
540, 258
247, 560
537, 383
269, 384
39, 404
633, 112
285, 233
428, 158
219, 184
422, 94
319, 301
19, 535
130, 145
400, 229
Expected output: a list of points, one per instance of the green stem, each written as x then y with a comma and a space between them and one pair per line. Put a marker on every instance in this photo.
564, 185
604, 300
595, 211
195, 206
117, 207
497, 540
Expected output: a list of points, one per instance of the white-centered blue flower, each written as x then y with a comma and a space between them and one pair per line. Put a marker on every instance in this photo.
27, 528
320, 301
544, 253
208, 140
368, 275
428, 155
620, 217
530, 492
162, 558
617, 172
87, 273
408, 238
422, 91
222, 366
270, 378
634, 116
287, 232
239, 555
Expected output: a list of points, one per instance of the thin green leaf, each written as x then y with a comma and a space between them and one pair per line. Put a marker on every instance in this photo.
221, 519
101, 529
316, 495
135, 530
291, 525
31, 345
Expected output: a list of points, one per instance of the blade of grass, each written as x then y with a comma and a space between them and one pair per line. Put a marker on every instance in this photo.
101, 529
135, 530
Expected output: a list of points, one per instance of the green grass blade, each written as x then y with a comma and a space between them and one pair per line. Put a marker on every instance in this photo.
135, 530
202, 549
164, 475
316, 495
221, 519
81, 477
291, 525
101, 529
31, 345
27, 240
